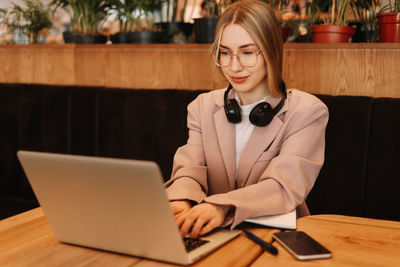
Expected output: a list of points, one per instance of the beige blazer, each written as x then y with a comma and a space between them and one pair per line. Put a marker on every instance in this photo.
278, 165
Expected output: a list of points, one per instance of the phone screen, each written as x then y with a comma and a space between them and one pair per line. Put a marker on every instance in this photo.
301, 245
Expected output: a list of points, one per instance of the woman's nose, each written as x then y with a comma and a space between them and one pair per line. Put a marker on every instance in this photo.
235, 64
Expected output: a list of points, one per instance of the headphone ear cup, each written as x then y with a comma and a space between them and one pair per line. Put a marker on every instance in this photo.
232, 111
261, 115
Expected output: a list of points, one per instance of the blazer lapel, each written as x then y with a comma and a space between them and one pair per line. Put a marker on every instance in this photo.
259, 140
226, 139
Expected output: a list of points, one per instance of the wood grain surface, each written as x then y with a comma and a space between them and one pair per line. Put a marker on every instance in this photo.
27, 240
353, 242
333, 69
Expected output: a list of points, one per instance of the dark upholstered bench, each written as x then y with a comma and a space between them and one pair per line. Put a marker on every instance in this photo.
359, 176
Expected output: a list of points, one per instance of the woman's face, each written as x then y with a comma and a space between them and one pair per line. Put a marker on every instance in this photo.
249, 82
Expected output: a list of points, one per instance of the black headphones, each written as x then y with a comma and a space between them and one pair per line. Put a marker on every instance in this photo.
261, 115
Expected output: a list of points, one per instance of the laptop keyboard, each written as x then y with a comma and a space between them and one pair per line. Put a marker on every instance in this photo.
193, 243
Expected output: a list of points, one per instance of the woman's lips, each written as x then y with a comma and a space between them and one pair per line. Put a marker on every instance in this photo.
239, 79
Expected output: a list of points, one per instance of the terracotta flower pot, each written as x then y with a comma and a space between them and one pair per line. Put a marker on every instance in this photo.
389, 27
326, 33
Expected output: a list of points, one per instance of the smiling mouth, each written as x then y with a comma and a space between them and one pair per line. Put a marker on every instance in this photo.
239, 79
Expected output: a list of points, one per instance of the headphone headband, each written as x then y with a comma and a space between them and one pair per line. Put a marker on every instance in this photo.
227, 93
283, 88
261, 115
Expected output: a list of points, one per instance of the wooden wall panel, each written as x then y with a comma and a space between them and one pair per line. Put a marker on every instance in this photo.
335, 69
90, 65
344, 69
48, 64
144, 66
8, 62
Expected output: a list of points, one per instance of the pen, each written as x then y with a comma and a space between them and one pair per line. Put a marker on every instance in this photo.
265, 245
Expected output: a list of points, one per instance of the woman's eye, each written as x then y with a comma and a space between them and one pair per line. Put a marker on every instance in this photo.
224, 53
247, 52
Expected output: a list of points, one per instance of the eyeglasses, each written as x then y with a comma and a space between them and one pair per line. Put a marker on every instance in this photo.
247, 57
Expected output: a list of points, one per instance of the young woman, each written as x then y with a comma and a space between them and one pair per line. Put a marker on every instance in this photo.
254, 149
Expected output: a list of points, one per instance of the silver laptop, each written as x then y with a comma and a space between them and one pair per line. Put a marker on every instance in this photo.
112, 204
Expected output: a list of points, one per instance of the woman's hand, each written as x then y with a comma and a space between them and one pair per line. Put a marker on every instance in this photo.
179, 207
201, 219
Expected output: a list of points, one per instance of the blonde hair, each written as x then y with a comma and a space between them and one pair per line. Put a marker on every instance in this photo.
263, 26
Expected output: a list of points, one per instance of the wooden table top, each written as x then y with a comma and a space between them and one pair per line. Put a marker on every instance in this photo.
353, 241
27, 240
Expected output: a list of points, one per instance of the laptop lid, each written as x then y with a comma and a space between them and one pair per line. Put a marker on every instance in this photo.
111, 204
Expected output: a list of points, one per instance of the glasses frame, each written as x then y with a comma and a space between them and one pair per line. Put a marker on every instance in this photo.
237, 57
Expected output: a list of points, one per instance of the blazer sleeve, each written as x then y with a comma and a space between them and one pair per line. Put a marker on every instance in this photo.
189, 173
289, 177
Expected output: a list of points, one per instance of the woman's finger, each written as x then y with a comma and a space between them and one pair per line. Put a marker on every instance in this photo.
187, 224
211, 225
180, 218
200, 222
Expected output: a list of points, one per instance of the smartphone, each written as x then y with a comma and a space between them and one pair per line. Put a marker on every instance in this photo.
301, 245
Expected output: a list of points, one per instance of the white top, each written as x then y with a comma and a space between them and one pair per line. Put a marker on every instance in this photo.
244, 128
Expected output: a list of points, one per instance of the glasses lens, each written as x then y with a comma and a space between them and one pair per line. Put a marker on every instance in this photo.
224, 58
246, 57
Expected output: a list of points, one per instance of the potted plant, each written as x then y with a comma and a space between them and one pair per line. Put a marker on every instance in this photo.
31, 18
145, 28
334, 28
176, 30
3, 12
86, 16
389, 22
5, 36
127, 16
68, 8
285, 17
365, 20
204, 28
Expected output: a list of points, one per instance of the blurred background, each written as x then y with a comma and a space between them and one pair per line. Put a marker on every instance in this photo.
176, 21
